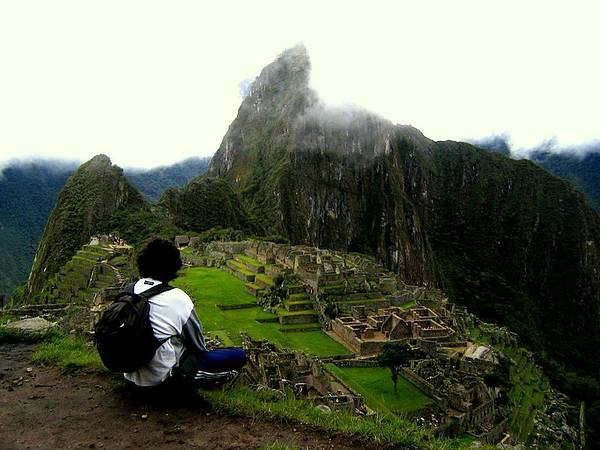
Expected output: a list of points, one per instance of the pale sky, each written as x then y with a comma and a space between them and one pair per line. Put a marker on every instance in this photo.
154, 82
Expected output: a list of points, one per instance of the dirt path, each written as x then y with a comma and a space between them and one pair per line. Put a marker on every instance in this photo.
40, 408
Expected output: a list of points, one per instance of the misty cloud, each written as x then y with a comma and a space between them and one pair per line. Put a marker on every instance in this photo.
501, 143
244, 87
50, 165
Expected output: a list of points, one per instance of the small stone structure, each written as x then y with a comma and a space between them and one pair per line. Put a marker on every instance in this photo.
182, 241
457, 386
108, 240
367, 334
296, 374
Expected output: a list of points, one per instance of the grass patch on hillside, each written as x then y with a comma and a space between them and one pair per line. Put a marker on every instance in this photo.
210, 287
479, 337
376, 387
410, 304
278, 446
529, 386
527, 393
248, 260
11, 335
385, 431
68, 352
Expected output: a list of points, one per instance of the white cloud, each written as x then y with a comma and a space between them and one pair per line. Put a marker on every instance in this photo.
151, 82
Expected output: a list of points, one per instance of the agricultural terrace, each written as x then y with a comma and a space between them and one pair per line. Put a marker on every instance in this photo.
211, 288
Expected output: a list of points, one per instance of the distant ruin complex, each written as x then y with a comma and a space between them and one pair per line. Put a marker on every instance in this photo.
363, 306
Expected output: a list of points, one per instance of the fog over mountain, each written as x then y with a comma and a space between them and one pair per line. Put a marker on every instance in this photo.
578, 164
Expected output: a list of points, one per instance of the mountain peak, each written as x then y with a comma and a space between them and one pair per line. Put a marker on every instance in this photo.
90, 196
100, 160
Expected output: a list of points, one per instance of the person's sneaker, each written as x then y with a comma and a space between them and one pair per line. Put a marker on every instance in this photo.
212, 380
233, 380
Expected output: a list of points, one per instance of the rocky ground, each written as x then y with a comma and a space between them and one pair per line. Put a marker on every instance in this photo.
41, 408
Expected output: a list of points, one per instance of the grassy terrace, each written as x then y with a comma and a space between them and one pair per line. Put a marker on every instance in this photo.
247, 260
528, 390
209, 287
375, 385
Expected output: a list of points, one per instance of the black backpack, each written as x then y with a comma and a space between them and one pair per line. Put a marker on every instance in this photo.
124, 336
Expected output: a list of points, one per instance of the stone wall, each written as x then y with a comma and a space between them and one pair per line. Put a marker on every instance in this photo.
357, 363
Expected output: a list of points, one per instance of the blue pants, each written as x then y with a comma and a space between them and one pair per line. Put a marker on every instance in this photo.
212, 368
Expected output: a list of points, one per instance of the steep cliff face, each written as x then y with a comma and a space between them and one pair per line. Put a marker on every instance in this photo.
207, 202
319, 175
90, 196
520, 247
516, 244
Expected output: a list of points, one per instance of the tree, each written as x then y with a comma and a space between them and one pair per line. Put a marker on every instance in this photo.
394, 356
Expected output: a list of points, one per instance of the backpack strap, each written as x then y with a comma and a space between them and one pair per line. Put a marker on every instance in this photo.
155, 290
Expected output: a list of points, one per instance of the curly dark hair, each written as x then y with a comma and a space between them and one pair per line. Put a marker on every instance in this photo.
159, 259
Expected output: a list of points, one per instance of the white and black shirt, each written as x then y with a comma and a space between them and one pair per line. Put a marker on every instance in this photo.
173, 318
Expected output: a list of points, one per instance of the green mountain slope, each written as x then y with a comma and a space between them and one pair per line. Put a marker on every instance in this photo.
90, 196
581, 170
152, 183
205, 203
579, 165
27, 193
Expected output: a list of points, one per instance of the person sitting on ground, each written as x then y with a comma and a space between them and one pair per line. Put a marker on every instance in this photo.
182, 358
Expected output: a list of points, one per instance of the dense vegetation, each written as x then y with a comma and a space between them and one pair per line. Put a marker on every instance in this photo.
204, 204
581, 166
27, 193
153, 182
581, 170
90, 196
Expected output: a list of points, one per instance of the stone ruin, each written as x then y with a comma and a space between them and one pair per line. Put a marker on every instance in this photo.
457, 385
366, 334
364, 306
109, 241
296, 374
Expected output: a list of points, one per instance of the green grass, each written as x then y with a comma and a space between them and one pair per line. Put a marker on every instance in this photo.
5, 318
279, 446
265, 279
478, 336
11, 335
529, 386
527, 393
385, 431
209, 287
250, 261
376, 387
409, 304
68, 353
